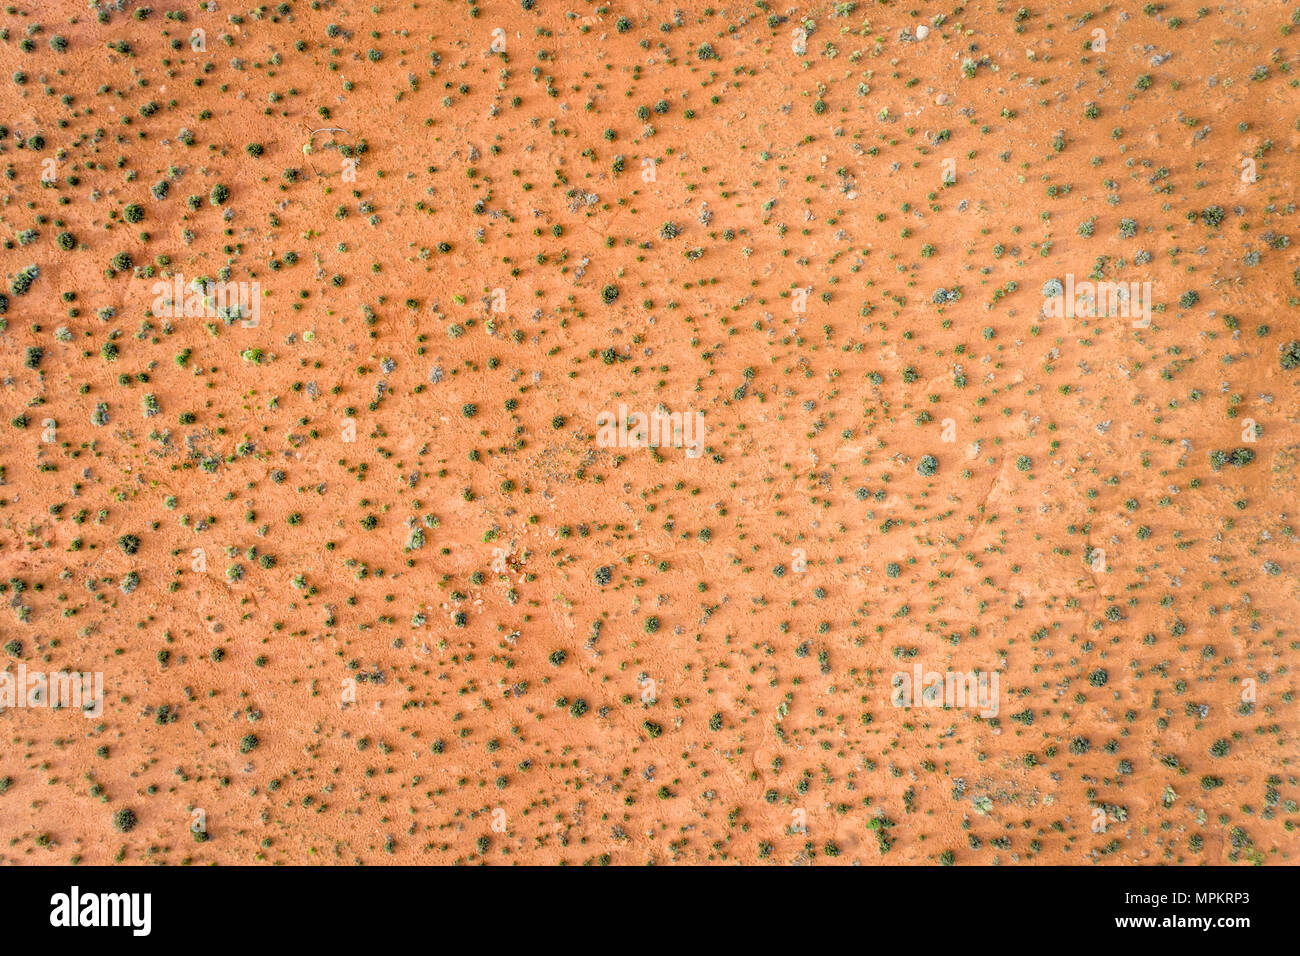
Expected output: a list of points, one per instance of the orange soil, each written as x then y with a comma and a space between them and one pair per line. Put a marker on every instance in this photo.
771, 690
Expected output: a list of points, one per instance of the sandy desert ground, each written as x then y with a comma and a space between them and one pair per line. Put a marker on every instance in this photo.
329, 327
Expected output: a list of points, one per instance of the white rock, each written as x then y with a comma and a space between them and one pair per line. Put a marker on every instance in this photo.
922, 32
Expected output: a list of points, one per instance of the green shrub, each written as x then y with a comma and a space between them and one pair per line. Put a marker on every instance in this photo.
124, 820
22, 282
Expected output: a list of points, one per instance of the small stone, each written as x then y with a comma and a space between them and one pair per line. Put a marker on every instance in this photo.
943, 99
922, 32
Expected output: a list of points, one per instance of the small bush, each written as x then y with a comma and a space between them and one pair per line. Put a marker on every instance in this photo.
22, 282
124, 820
